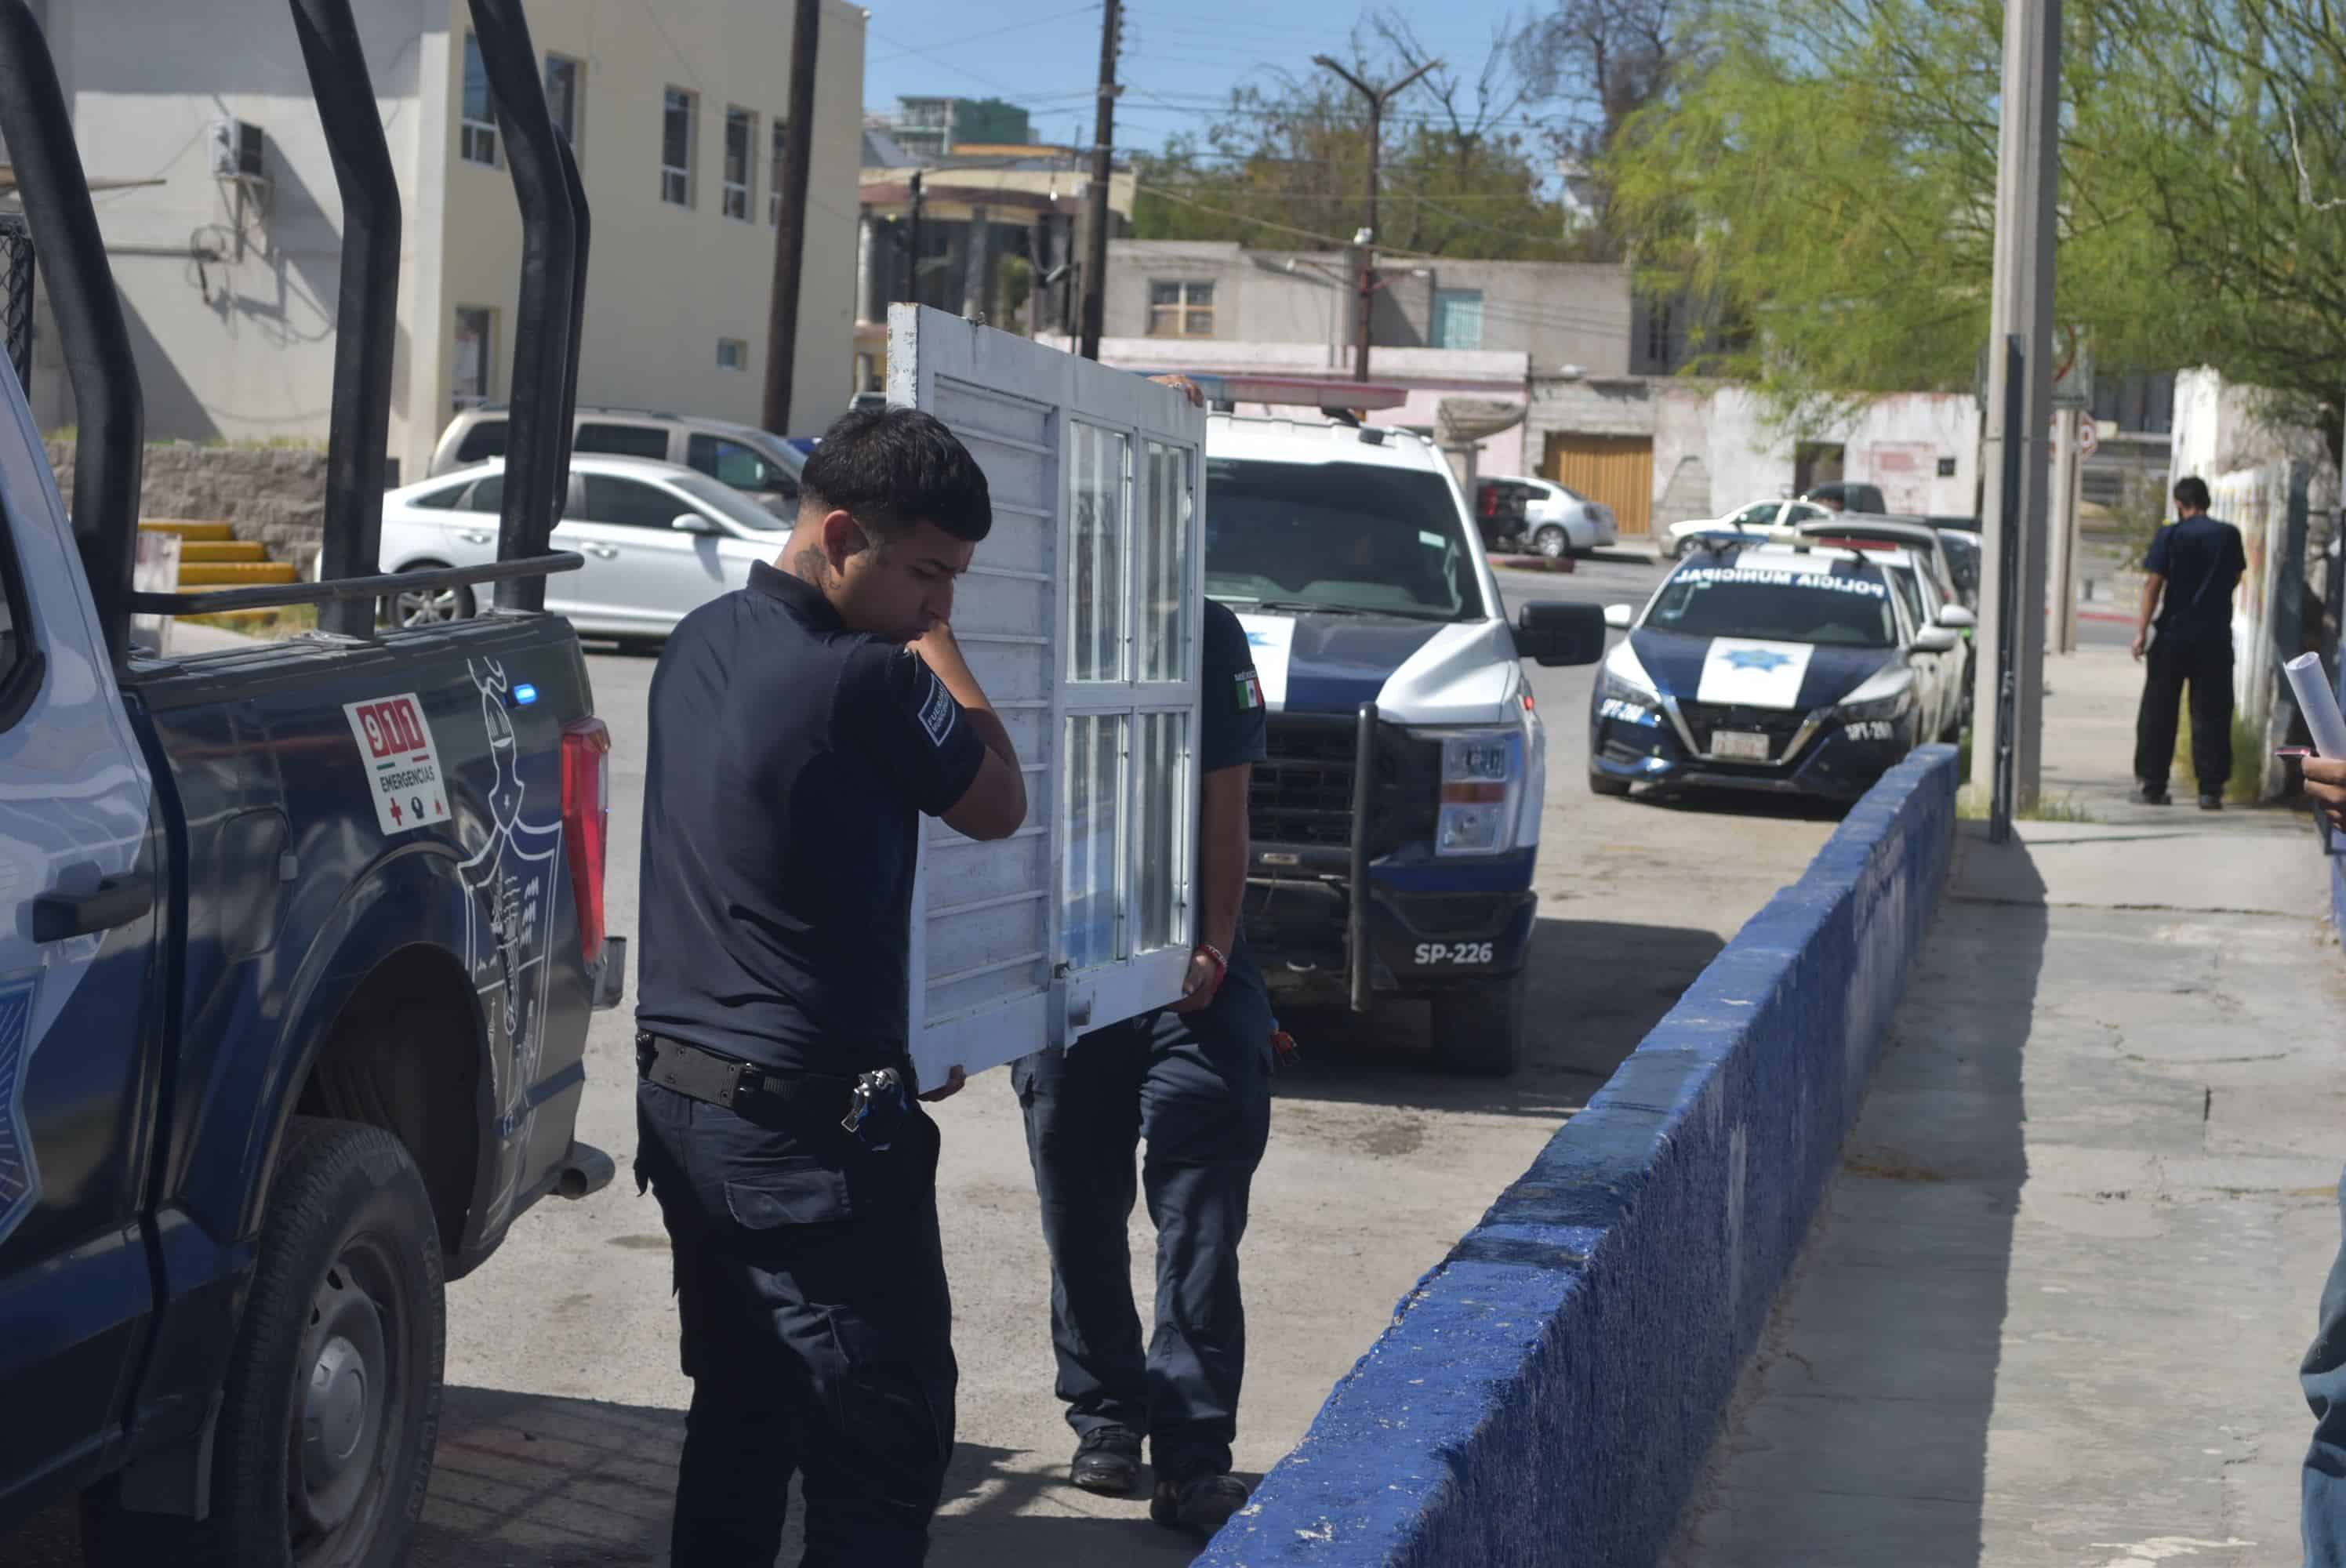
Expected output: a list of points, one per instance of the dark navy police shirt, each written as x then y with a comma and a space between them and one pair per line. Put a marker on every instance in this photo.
1232, 731
2201, 559
791, 761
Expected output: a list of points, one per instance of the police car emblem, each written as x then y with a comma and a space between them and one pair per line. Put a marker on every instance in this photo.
937, 712
1755, 658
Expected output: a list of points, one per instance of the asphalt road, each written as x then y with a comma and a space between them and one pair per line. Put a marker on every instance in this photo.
563, 1415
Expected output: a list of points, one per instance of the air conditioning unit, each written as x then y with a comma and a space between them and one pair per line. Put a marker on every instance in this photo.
236, 151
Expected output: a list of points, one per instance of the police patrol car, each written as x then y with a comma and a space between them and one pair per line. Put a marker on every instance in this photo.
1396, 823
1766, 665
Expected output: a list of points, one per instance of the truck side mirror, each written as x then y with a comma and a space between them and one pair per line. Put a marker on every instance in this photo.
1556, 634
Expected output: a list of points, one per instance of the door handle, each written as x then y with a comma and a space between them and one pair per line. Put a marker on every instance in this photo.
115, 901
474, 536
603, 552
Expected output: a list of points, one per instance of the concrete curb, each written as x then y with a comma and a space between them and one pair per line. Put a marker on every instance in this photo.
1549, 1392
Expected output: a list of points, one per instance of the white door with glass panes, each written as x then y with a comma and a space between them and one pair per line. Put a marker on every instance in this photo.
1081, 617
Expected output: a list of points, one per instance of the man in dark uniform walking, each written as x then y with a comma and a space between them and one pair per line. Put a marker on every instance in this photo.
800, 729
1194, 1082
2193, 564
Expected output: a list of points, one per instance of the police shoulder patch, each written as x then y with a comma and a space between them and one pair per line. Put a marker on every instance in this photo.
1250, 691
938, 710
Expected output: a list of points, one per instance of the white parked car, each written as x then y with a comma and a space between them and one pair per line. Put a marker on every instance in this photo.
1559, 521
659, 541
1757, 518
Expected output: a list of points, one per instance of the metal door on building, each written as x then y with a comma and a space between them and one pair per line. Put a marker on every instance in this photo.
1617, 471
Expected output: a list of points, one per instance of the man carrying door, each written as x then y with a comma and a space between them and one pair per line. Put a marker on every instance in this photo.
1194, 1082
801, 727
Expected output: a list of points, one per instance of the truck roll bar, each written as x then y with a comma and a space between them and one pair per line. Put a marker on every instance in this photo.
366, 315
111, 445
537, 440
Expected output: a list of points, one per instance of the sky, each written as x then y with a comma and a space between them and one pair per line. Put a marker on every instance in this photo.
1178, 65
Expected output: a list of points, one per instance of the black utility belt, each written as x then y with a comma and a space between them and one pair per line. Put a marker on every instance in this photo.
874, 1101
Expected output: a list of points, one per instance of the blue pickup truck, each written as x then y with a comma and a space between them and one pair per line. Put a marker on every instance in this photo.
298, 944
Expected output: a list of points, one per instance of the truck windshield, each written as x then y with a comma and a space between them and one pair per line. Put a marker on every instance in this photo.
1344, 538
1776, 606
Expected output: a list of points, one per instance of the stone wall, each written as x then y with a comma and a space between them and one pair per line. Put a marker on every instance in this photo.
271, 495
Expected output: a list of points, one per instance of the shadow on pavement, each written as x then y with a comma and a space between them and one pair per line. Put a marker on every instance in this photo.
1596, 988
1859, 1432
534, 1481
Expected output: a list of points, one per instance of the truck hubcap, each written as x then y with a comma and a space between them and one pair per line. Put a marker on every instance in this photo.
339, 1434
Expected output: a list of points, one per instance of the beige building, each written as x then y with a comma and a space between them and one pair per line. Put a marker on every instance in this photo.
228, 258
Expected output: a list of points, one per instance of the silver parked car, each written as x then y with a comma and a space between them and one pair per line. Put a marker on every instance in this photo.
758, 462
659, 541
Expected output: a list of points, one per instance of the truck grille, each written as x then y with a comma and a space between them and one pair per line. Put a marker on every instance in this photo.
1303, 793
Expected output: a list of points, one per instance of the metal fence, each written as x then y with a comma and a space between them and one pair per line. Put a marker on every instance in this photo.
2269, 506
17, 296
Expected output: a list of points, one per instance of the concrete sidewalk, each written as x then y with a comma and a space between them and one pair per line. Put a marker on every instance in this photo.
2051, 1310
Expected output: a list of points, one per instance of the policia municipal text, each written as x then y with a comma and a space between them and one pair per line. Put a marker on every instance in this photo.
796, 740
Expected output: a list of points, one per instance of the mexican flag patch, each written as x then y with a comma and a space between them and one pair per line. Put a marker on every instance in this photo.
1250, 691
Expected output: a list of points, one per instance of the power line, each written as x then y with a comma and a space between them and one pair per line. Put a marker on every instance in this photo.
989, 33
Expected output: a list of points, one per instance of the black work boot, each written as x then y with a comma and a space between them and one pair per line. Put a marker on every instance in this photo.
1203, 1502
2211, 802
2151, 795
1108, 1460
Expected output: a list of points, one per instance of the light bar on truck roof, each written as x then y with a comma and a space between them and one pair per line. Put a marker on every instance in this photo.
1325, 393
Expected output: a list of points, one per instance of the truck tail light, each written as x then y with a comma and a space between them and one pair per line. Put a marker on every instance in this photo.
586, 822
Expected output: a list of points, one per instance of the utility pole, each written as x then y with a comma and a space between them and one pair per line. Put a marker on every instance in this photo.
1378, 97
2005, 752
2068, 479
789, 222
913, 248
1095, 198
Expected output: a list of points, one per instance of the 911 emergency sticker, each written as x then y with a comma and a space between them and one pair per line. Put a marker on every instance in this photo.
1462, 952
402, 765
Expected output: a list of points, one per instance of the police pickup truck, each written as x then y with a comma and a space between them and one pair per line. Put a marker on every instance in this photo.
1396, 823
300, 942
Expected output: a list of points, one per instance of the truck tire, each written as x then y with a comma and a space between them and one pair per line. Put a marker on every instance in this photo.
1481, 1033
331, 1407
1606, 784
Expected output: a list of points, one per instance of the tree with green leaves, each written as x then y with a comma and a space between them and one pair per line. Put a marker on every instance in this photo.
1827, 174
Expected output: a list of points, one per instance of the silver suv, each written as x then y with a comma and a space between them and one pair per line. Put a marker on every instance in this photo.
755, 462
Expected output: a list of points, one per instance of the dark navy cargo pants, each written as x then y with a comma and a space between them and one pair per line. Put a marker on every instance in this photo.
1196, 1089
817, 1330
2323, 1378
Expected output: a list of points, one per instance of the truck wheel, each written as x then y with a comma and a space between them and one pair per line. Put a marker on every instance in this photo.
1606, 784
1481, 1033
327, 1423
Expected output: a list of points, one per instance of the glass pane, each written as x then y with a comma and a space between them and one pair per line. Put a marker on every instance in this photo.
1165, 293
1161, 560
1093, 787
676, 129
1098, 501
476, 83
1160, 860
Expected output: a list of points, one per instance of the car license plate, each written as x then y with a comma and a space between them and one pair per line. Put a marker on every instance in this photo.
1740, 745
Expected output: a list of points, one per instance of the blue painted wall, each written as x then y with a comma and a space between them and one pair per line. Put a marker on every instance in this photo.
1548, 1393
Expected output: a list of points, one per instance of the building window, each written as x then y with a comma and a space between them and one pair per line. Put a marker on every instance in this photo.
1181, 309
476, 140
774, 179
676, 146
740, 161
1661, 336
562, 96
1458, 318
732, 354
476, 351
